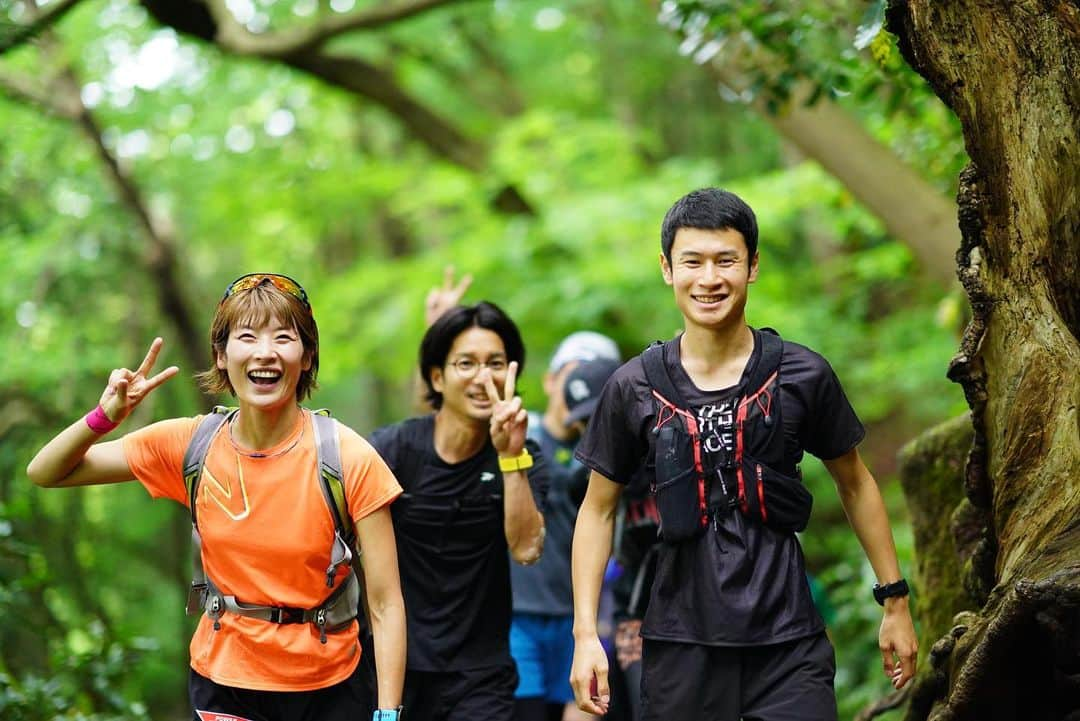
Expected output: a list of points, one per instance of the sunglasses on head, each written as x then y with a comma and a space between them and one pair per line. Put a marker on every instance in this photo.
282, 282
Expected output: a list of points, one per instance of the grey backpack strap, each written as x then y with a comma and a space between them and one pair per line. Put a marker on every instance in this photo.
346, 544
328, 450
195, 455
194, 460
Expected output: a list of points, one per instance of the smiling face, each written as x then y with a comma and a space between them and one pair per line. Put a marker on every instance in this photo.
264, 363
259, 307
710, 272
463, 393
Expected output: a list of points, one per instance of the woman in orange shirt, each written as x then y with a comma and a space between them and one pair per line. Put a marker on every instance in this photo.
269, 544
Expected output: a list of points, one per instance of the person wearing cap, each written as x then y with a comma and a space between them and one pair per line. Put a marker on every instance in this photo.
721, 417
540, 634
581, 391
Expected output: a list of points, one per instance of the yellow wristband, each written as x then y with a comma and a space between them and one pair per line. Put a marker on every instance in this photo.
516, 463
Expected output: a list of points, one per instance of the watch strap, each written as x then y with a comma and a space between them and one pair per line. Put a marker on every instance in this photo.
520, 462
890, 590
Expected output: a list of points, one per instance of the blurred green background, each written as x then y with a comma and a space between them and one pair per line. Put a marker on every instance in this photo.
533, 144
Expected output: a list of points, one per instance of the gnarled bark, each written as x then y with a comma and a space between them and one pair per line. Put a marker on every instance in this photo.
1009, 71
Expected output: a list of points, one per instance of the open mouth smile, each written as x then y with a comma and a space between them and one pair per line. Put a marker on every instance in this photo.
264, 377
479, 398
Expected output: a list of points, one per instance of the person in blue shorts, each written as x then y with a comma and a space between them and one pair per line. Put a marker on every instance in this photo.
540, 633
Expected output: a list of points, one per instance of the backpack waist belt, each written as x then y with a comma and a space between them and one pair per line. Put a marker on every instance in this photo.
336, 612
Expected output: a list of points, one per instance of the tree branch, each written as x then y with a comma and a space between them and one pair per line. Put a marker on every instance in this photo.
212, 22
14, 34
508, 97
160, 255
364, 79
23, 90
63, 99
444, 139
235, 38
912, 210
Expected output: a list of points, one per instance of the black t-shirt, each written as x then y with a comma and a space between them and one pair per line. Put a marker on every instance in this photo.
451, 544
741, 583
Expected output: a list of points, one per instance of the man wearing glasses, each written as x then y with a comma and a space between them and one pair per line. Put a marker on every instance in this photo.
474, 488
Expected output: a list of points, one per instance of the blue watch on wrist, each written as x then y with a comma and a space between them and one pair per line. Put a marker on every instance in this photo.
383, 714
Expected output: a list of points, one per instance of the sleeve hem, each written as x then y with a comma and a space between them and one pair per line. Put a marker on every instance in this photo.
858, 438
594, 466
380, 502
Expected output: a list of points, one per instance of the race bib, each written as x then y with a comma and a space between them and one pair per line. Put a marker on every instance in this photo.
216, 716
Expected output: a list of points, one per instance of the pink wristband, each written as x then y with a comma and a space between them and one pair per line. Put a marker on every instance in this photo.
99, 422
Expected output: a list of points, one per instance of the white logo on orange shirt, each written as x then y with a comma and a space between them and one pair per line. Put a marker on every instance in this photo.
231, 499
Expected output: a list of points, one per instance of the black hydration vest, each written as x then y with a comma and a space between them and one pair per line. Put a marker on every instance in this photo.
691, 487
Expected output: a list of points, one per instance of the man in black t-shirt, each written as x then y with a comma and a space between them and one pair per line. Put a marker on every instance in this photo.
731, 630
474, 490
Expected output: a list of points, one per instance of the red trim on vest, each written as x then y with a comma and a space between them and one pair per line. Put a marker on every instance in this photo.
692, 426
761, 495
740, 417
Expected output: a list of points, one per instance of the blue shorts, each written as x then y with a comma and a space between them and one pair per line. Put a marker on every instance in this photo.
543, 648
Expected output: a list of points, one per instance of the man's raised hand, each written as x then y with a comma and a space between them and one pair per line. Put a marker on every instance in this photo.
509, 419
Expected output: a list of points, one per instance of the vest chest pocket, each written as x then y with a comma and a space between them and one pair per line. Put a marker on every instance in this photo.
776, 499
679, 487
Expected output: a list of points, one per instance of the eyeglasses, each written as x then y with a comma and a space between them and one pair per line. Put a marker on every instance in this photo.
282, 282
467, 367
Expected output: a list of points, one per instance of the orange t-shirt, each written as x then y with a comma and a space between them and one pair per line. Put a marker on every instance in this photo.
266, 535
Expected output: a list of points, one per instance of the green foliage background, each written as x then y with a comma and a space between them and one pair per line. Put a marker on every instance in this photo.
588, 108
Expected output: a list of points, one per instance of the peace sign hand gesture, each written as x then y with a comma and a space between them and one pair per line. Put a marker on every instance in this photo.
127, 388
509, 419
439, 300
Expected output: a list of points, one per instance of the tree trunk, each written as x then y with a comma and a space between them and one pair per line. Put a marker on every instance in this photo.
1009, 71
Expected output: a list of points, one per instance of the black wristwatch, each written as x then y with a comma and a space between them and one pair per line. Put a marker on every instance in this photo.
890, 590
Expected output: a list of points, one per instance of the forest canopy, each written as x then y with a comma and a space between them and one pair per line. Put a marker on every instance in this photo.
155, 150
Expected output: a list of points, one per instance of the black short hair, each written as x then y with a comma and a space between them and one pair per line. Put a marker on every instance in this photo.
435, 347
709, 209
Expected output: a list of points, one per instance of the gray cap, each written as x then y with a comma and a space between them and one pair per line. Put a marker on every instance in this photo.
582, 389
585, 345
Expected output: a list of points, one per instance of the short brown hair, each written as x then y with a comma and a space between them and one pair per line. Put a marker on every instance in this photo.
256, 307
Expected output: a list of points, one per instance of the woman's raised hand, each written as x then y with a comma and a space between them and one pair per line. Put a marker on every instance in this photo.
127, 388
509, 420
